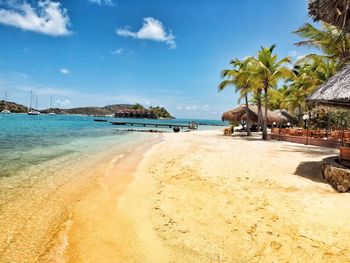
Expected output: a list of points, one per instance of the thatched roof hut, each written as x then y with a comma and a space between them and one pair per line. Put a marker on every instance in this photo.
335, 92
239, 113
285, 116
335, 12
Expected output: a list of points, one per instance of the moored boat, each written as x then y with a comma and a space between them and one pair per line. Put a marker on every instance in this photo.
32, 111
5, 110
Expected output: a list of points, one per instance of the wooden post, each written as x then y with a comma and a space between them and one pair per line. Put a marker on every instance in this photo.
279, 133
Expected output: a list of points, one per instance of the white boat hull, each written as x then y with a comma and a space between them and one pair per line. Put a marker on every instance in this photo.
34, 113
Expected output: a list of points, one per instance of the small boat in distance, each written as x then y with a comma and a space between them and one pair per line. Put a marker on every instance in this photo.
50, 110
31, 111
5, 110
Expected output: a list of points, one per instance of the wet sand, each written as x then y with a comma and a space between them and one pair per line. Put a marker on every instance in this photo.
37, 204
202, 197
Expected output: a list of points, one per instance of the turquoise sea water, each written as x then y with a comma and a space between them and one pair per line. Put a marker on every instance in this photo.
31, 140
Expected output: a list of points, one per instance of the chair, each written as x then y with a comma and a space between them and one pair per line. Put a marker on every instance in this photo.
333, 135
346, 136
292, 132
305, 133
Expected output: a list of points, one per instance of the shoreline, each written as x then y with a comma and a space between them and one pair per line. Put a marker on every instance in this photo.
204, 197
35, 214
192, 200
95, 217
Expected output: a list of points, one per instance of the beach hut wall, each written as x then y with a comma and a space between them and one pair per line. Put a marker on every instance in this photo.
335, 92
335, 12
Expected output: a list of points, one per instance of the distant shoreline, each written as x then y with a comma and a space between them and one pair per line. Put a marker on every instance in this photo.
117, 110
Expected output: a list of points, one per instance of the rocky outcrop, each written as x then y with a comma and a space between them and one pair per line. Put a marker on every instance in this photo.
132, 113
336, 174
13, 107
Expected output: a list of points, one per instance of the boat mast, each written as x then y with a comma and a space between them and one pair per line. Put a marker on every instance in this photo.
30, 102
5, 101
50, 104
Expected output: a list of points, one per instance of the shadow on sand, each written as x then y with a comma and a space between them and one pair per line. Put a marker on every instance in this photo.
309, 150
311, 171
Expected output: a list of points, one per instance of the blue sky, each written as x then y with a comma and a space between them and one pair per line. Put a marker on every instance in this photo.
154, 52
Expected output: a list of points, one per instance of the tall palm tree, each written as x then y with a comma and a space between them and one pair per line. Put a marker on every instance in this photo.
331, 40
239, 78
269, 70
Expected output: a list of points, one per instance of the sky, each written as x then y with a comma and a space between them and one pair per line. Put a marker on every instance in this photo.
154, 52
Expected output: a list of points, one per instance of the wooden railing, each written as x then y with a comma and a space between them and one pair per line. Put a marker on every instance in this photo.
334, 139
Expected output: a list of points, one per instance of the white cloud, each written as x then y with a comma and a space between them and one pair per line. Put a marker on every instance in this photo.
296, 55
46, 91
152, 29
194, 107
64, 71
118, 51
49, 18
63, 102
301, 57
205, 107
293, 53
103, 2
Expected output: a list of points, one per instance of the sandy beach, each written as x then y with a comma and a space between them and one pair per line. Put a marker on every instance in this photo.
203, 197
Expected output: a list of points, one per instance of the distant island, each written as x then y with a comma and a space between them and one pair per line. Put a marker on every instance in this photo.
117, 110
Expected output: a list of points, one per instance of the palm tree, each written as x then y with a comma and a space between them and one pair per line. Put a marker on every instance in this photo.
268, 70
319, 68
331, 40
310, 72
239, 78
277, 97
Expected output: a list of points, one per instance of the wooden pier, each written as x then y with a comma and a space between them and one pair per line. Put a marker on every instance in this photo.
191, 125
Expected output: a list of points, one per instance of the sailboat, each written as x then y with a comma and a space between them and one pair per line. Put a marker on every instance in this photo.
51, 112
5, 110
31, 111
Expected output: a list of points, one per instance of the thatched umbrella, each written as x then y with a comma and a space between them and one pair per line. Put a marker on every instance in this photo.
239, 114
285, 117
335, 92
335, 12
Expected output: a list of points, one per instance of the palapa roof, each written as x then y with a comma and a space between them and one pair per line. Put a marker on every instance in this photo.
286, 116
239, 113
335, 12
335, 92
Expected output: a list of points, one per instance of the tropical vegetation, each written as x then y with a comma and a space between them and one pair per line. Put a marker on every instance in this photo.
275, 83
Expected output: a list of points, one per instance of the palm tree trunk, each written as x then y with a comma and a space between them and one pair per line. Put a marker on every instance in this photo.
264, 132
260, 117
247, 113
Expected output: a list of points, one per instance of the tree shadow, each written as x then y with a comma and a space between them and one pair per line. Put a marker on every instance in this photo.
310, 150
311, 171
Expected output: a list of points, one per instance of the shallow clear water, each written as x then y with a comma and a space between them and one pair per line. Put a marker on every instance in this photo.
31, 140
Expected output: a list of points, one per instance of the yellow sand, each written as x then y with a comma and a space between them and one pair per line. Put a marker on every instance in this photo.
203, 197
